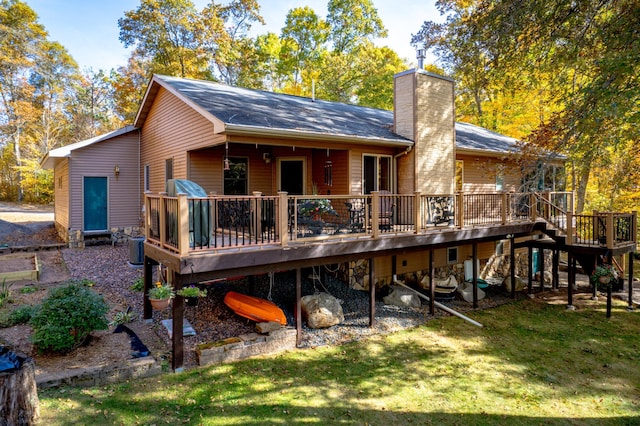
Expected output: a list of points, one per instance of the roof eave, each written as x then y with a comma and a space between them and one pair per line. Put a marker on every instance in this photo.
236, 129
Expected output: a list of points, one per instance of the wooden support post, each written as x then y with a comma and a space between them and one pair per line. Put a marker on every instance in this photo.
630, 300
162, 207
298, 307
474, 255
555, 275
505, 207
530, 269
609, 290
177, 341
372, 293
541, 267
282, 219
610, 236
256, 216
432, 288
512, 266
417, 211
572, 281
594, 295
460, 209
570, 230
375, 214
148, 283
183, 225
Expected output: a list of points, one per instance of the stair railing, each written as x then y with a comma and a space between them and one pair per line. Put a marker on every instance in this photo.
552, 213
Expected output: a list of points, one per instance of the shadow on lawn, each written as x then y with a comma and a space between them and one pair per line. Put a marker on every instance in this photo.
575, 364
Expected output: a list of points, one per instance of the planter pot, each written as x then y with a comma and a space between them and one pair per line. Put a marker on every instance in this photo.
160, 304
604, 280
191, 301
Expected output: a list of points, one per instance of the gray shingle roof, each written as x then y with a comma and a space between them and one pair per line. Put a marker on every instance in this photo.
239, 106
262, 109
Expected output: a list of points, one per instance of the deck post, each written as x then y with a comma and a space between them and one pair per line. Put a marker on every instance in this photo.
282, 218
609, 222
555, 284
474, 256
505, 207
630, 300
375, 214
372, 292
541, 267
530, 269
512, 266
432, 288
256, 216
147, 216
533, 207
569, 228
148, 283
572, 281
417, 212
183, 224
298, 306
460, 211
177, 340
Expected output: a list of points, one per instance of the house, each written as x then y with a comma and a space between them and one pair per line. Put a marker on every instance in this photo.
97, 187
297, 182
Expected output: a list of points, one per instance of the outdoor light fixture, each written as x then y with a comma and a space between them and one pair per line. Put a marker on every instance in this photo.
116, 170
328, 173
266, 157
226, 156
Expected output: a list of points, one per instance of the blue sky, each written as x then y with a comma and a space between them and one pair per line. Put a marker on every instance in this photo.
89, 28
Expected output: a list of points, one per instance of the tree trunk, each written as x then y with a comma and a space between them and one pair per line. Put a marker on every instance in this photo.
18, 394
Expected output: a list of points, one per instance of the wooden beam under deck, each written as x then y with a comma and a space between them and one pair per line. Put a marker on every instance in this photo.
203, 266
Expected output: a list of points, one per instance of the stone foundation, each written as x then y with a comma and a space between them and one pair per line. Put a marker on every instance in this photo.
246, 346
75, 237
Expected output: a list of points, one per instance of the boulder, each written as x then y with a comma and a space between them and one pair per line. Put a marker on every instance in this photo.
401, 296
546, 276
267, 327
322, 310
465, 290
520, 284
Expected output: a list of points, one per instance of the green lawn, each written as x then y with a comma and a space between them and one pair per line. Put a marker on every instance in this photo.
532, 363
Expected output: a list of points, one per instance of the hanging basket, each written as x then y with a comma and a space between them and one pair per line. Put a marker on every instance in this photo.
191, 301
159, 304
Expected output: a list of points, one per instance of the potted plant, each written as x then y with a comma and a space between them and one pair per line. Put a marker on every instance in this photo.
191, 294
603, 276
160, 295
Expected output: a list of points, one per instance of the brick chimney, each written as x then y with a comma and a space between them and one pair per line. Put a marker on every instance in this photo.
423, 110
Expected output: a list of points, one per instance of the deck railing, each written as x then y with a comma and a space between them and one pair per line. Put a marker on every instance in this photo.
183, 225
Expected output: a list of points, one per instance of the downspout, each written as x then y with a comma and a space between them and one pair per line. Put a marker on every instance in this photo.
395, 165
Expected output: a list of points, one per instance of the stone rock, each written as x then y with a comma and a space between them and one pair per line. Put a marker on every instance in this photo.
547, 277
322, 310
520, 284
401, 296
267, 327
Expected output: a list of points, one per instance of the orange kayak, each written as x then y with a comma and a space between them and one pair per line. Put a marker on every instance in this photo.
254, 308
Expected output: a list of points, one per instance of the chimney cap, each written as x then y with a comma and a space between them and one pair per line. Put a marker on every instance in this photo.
421, 54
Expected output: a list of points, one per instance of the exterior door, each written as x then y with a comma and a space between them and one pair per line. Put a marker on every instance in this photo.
95, 204
292, 176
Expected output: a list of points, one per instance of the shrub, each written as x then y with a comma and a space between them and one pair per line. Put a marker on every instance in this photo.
123, 317
138, 285
5, 292
28, 290
21, 315
66, 317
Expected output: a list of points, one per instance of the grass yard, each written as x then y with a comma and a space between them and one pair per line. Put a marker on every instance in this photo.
532, 363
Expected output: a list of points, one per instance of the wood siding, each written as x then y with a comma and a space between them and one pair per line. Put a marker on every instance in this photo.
98, 160
61, 194
171, 130
479, 174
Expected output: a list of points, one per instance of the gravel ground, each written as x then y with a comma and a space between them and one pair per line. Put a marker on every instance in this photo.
108, 267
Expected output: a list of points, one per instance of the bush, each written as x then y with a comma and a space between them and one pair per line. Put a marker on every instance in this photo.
138, 285
21, 315
66, 317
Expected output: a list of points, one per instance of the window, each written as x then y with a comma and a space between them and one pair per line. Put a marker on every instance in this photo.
235, 179
146, 178
376, 173
499, 177
168, 168
452, 255
459, 174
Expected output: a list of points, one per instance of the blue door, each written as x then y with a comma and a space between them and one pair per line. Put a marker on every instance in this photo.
95, 203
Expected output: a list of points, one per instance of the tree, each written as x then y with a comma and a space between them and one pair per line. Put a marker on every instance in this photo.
579, 59
34, 78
